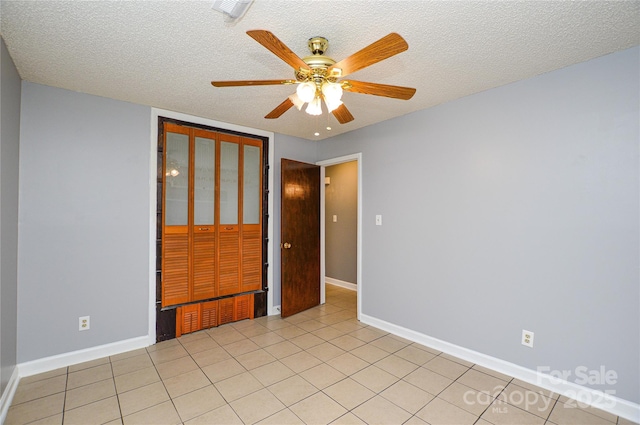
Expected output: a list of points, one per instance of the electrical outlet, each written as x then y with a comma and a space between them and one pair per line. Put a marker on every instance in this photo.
527, 338
84, 323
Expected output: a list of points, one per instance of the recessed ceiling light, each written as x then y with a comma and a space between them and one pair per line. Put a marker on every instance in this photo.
316, 134
329, 128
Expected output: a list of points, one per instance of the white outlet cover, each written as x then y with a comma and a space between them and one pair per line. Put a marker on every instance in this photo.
527, 338
84, 323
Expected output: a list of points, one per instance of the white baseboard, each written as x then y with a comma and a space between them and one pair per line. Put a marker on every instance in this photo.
63, 360
67, 359
8, 393
276, 311
598, 399
341, 283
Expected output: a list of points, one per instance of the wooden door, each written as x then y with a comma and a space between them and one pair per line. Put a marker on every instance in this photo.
300, 236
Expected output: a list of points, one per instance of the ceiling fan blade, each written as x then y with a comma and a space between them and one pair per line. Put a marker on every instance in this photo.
382, 49
396, 92
280, 109
342, 114
250, 83
277, 47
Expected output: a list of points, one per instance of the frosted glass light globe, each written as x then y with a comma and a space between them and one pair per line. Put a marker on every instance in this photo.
332, 91
297, 102
306, 91
314, 107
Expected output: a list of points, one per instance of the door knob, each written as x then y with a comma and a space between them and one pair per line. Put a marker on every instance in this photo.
286, 245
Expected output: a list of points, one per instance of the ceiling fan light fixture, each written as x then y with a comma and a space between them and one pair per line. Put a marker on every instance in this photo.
314, 107
306, 91
332, 104
318, 76
332, 91
297, 102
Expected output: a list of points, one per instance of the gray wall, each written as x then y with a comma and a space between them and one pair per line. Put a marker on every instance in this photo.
516, 208
290, 148
341, 237
84, 221
85, 208
9, 157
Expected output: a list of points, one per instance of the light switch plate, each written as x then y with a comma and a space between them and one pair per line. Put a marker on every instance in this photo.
378, 220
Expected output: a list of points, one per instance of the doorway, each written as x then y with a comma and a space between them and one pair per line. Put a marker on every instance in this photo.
357, 159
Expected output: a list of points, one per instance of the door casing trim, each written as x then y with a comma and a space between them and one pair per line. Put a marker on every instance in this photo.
326, 163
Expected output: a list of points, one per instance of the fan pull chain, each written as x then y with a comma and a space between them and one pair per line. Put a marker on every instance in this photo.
317, 132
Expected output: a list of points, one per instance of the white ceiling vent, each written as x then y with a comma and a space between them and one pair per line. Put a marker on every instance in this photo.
233, 9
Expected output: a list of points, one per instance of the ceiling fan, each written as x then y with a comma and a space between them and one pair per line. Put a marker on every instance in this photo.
320, 78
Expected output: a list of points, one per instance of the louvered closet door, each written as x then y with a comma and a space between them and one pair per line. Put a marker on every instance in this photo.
175, 229
209, 314
226, 308
243, 308
251, 215
251, 259
229, 230
191, 319
212, 217
204, 203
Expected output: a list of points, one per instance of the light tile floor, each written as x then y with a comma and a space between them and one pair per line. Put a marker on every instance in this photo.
318, 367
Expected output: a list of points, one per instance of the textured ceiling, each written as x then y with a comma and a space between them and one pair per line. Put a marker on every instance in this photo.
165, 53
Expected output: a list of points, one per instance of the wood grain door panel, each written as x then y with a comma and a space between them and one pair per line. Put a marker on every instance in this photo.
226, 309
300, 236
204, 265
243, 307
229, 263
190, 318
209, 314
251, 258
175, 269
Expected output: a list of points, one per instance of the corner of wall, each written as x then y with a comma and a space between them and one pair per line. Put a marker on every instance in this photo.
11, 87
8, 393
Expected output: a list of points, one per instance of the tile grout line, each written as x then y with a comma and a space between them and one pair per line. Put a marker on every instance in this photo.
165, 385
548, 418
496, 398
66, 385
208, 379
318, 390
116, 388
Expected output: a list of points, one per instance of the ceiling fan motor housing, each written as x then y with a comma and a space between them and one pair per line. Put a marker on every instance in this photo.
318, 63
318, 45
